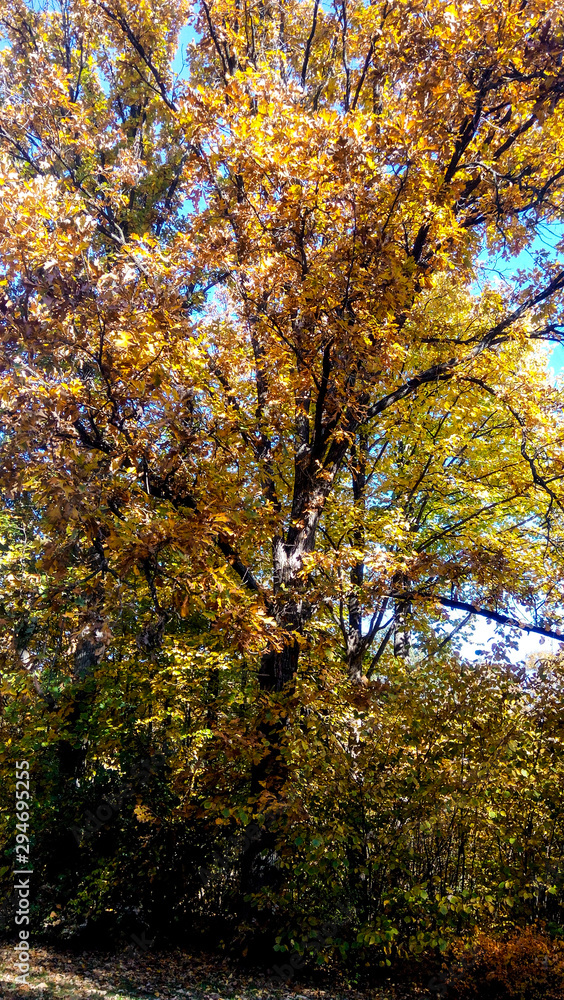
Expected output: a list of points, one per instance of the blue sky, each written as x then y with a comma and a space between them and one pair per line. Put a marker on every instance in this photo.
528, 645
483, 634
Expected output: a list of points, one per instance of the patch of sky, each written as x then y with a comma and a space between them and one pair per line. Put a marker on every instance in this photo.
186, 36
499, 268
478, 643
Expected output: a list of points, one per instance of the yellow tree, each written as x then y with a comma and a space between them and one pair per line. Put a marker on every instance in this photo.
246, 365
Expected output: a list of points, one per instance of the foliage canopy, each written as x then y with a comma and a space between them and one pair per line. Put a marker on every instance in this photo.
266, 422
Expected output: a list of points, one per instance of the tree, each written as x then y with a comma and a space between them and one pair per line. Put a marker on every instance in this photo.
248, 370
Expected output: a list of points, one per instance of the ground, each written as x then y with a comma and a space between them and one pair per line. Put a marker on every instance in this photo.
132, 975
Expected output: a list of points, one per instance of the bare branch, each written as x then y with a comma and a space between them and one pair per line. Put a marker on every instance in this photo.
309, 43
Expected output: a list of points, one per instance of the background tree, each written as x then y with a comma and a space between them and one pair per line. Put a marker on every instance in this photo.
257, 404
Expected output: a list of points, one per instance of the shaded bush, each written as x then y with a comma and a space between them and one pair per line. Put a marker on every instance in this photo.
413, 814
528, 965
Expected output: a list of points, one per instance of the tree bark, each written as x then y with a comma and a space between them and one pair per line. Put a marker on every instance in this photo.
402, 609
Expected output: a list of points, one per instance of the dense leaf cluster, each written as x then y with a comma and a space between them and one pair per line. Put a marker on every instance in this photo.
426, 808
276, 425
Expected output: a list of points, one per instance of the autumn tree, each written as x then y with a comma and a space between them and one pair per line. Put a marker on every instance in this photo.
251, 366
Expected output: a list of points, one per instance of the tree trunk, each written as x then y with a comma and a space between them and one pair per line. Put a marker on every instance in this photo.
278, 668
402, 609
355, 643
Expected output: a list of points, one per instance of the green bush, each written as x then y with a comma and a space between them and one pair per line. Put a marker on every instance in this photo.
416, 812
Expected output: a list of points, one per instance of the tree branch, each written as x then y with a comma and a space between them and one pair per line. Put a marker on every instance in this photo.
445, 369
495, 616
309, 43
